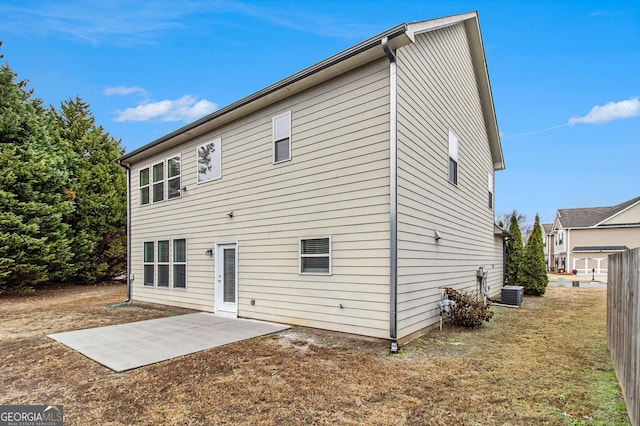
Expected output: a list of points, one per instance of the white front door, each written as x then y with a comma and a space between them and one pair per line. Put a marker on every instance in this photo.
227, 279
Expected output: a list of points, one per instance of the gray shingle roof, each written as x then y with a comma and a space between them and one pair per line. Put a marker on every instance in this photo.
547, 227
590, 216
600, 248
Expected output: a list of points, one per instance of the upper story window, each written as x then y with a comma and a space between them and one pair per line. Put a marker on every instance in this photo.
453, 158
144, 186
282, 137
173, 177
209, 161
490, 188
155, 178
158, 181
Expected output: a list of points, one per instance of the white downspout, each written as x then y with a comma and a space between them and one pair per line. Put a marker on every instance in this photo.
393, 207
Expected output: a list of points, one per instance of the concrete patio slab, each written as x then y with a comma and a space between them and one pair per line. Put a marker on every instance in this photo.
132, 345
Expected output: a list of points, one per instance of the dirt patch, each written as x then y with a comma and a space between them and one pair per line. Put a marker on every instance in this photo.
545, 363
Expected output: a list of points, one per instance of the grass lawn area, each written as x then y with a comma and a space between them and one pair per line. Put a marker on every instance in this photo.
545, 363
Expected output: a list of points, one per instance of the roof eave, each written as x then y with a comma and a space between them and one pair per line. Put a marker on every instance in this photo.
350, 58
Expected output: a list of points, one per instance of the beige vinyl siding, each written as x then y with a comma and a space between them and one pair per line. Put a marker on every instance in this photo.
495, 269
437, 91
336, 184
589, 237
631, 215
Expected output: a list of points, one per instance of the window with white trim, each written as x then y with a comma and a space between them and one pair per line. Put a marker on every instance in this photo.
282, 137
143, 183
209, 161
158, 181
490, 188
180, 263
453, 158
315, 255
173, 177
163, 263
149, 264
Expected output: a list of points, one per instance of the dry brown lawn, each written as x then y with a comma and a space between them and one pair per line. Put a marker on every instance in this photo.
546, 363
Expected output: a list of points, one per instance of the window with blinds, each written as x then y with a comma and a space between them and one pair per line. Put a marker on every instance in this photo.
453, 158
315, 255
282, 137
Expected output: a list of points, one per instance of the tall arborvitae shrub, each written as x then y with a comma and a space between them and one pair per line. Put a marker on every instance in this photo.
514, 251
532, 273
35, 241
99, 185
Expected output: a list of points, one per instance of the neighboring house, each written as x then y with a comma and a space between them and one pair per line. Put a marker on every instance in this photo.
344, 197
582, 239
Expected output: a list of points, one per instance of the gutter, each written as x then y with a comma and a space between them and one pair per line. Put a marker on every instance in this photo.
393, 208
128, 169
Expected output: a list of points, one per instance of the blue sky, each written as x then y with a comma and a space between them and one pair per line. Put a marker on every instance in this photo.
565, 75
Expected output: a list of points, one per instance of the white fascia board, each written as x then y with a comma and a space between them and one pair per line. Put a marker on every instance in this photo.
435, 24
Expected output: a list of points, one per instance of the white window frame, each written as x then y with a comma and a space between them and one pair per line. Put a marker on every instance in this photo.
490, 188
301, 255
171, 263
174, 263
157, 182
217, 144
178, 177
167, 263
143, 187
278, 138
453, 158
145, 263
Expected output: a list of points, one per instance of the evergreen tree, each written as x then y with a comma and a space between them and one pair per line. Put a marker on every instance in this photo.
99, 184
532, 273
514, 251
35, 241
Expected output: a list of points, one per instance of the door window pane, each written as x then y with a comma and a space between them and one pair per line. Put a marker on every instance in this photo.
229, 279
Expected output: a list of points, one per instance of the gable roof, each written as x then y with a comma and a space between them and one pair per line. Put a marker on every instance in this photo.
349, 59
547, 227
592, 216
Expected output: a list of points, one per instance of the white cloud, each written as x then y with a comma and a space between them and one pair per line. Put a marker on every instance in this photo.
186, 108
124, 90
611, 111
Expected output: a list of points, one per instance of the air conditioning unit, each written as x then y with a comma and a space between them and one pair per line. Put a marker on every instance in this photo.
512, 295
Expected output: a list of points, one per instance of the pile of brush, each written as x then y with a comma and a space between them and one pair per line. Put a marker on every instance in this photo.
466, 310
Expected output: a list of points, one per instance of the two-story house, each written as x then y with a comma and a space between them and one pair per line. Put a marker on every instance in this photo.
581, 239
344, 197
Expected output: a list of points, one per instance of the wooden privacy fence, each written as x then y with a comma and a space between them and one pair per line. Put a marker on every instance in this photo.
623, 325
